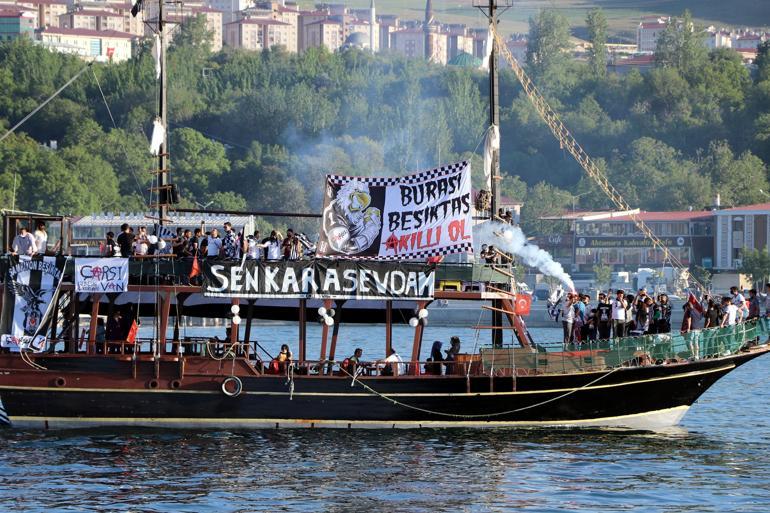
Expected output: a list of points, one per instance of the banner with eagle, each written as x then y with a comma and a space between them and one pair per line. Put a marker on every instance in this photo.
29, 289
418, 216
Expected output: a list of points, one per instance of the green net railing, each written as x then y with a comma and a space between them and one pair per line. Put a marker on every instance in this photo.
654, 349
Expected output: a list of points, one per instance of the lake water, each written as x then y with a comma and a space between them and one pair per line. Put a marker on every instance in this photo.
718, 461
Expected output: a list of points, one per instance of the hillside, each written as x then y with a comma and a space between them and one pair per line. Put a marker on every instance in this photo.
623, 15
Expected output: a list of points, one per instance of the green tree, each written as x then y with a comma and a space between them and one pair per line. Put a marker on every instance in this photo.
681, 45
756, 264
547, 42
544, 200
603, 276
197, 162
597, 36
738, 181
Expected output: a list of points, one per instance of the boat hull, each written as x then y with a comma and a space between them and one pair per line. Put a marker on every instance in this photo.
647, 398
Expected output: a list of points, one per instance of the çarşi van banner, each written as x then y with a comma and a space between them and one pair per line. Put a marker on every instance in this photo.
408, 217
324, 279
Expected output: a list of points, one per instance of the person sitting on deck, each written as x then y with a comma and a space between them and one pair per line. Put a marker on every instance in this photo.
351, 363
394, 365
284, 358
434, 365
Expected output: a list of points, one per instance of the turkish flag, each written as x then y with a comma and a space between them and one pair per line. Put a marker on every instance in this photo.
523, 304
196, 268
694, 302
131, 338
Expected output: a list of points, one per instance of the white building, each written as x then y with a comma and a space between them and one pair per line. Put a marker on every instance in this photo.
648, 32
89, 44
740, 228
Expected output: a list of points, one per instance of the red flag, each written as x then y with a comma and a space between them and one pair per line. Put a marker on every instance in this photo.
435, 259
694, 302
131, 337
523, 304
196, 268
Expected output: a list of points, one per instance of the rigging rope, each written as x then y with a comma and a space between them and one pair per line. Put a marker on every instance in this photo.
478, 416
122, 147
46, 102
568, 141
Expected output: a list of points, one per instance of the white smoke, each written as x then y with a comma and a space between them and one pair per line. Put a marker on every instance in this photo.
510, 239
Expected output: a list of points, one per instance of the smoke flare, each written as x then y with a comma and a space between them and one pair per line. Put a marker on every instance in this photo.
510, 239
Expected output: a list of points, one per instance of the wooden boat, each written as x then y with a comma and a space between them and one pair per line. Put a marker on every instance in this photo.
639, 383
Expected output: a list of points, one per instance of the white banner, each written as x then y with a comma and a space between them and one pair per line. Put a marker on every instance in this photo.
101, 274
409, 217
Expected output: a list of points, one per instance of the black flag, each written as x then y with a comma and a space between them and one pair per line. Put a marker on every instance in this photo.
135, 8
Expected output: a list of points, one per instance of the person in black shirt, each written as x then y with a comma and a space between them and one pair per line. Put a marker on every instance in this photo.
603, 317
111, 247
662, 315
126, 240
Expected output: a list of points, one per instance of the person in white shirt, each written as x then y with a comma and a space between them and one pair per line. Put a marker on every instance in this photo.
568, 318
273, 245
41, 238
394, 365
213, 244
619, 312
254, 249
739, 300
24, 243
731, 314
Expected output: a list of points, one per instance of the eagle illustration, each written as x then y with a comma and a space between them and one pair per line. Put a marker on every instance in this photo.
350, 223
33, 300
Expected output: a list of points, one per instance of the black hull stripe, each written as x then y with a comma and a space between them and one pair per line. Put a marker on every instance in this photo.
722, 369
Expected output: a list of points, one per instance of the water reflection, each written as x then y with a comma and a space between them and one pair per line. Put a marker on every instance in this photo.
718, 461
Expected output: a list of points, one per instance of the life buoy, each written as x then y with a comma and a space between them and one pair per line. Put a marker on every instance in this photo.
275, 367
152, 384
236, 382
175, 384
60, 381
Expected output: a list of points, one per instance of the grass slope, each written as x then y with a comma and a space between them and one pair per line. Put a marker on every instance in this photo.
623, 15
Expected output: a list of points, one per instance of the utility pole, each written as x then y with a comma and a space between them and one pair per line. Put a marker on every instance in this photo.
164, 193
492, 9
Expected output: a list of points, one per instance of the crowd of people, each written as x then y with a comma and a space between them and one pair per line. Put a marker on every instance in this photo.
229, 244
621, 314
29, 244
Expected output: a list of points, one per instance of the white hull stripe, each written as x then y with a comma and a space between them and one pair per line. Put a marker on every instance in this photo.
652, 420
360, 394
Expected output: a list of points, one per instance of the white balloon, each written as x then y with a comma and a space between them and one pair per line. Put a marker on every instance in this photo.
423, 313
235, 309
508, 235
322, 311
331, 312
236, 319
328, 321
152, 239
161, 244
413, 322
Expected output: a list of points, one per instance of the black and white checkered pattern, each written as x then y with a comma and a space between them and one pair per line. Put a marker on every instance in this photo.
462, 247
422, 176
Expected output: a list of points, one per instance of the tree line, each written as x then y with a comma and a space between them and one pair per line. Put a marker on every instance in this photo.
258, 130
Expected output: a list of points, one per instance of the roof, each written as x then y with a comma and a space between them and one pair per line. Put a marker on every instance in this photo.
44, 2
95, 12
758, 207
16, 13
109, 219
636, 60
87, 32
325, 22
205, 8
256, 21
625, 216
465, 60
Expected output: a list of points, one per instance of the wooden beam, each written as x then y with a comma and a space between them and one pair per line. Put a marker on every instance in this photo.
165, 310
94, 320
487, 307
388, 326
336, 330
325, 332
302, 329
417, 343
234, 327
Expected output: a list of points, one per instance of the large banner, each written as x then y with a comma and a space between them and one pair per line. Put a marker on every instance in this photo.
326, 279
409, 217
101, 274
30, 285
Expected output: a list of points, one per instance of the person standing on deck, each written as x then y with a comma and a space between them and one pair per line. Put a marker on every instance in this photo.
213, 244
24, 243
619, 306
230, 242
739, 300
273, 245
662, 315
41, 238
603, 317
568, 318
